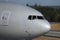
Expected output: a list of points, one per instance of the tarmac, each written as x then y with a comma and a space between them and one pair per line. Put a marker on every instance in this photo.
55, 34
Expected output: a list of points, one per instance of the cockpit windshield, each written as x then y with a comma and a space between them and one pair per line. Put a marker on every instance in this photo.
33, 17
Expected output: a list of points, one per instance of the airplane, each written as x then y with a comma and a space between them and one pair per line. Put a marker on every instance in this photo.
19, 22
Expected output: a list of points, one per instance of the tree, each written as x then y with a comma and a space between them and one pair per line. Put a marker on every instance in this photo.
51, 14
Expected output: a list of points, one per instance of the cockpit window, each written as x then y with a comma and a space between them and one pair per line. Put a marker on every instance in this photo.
30, 17
40, 17
33, 17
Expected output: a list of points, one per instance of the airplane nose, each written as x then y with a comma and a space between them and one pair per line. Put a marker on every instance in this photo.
42, 28
47, 26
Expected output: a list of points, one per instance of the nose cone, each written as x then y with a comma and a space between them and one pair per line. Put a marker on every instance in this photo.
46, 26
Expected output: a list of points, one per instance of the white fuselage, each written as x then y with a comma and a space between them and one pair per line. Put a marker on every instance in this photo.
14, 22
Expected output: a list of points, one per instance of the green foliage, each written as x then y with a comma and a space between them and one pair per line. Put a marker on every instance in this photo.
51, 14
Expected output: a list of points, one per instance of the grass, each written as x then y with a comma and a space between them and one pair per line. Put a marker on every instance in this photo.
55, 27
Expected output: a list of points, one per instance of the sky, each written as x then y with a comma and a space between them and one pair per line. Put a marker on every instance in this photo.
32, 2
